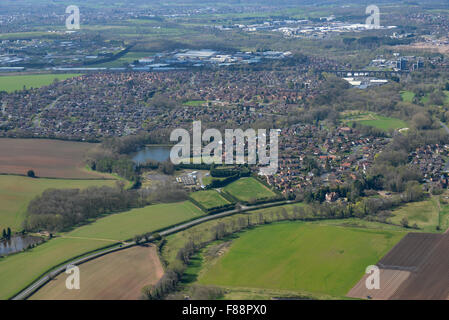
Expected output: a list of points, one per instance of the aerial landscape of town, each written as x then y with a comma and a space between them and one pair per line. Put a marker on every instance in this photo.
234, 150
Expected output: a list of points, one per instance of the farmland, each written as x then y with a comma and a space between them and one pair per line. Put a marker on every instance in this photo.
390, 281
101, 233
17, 82
47, 158
17, 191
414, 269
209, 198
297, 256
117, 276
19, 270
125, 225
247, 189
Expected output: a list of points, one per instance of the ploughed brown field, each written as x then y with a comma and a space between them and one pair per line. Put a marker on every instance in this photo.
47, 158
119, 275
390, 281
417, 268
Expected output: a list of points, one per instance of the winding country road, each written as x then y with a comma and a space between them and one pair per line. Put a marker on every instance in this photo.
50, 275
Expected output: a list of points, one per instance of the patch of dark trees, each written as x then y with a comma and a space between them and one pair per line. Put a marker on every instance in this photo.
6, 234
60, 210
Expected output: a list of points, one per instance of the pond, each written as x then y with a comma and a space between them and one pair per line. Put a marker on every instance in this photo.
154, 153
17, 243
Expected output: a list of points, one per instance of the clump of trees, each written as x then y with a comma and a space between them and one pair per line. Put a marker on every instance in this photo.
6, 234
59, 209
56, 210
31, 174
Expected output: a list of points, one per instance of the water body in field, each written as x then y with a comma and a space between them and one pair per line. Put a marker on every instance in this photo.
17, 243
154, 153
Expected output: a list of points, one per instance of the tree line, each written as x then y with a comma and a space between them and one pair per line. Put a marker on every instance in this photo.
61, 209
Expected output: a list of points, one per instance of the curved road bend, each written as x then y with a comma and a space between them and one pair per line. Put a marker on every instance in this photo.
47, 277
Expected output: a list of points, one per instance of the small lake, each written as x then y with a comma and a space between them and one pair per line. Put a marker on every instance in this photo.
17, 243
154, 153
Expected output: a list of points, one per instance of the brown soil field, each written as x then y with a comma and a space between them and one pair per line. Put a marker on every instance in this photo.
116, 276
425, 46
410, 252
424, 259
431, 280
390, 281
48, 158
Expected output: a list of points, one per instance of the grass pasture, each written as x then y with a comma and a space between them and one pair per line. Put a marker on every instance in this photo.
246, 189
424, 213
48, 158
120, 275
123, 226
16, 271
209, 198
12, 83
407, 96
306, 258
17, 191
195, 103
375, 120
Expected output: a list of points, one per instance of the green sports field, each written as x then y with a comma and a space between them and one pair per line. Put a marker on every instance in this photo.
302, 257
246, 189
17, 82
378, 121
17, 191
19, 270
209, 198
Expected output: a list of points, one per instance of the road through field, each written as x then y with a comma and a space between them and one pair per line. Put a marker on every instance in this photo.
116, 276
50, 275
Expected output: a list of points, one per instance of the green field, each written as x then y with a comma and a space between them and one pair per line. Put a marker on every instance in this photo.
125, 225
444, 218
375, 120
17, 191
19, 270
195, 103
208, 179
307, 258
14, 82
407, 96
246, 189
209, 198
425, 214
